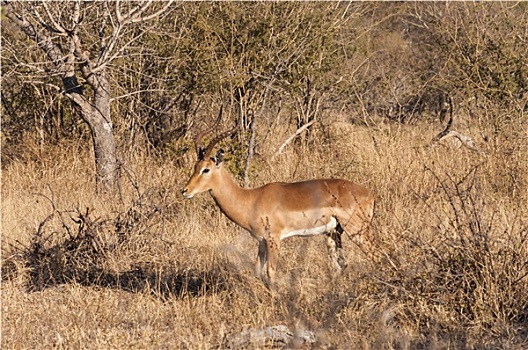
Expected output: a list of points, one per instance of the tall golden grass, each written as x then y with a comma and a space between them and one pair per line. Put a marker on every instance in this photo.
445, 265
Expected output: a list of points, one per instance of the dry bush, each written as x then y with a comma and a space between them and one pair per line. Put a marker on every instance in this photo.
468, 265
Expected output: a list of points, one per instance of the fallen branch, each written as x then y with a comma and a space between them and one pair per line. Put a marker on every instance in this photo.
274, 336
459, 140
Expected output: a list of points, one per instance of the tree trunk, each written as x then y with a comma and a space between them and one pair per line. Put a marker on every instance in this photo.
97, 116
106, 164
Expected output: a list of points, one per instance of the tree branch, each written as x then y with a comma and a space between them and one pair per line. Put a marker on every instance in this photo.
290, 139
56, 26
43, 41
137, 18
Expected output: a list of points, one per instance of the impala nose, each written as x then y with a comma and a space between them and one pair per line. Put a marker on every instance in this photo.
184, 193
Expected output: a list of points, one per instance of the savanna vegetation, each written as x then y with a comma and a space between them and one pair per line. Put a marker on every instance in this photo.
423, 103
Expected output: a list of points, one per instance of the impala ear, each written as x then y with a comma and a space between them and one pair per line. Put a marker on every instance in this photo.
201, 153
219, 156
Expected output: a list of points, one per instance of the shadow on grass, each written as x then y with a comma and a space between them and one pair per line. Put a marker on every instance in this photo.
160, 281
81, 256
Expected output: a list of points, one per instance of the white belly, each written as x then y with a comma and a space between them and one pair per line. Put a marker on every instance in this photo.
317, 230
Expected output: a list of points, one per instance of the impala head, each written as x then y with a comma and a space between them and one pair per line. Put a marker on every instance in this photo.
207, 167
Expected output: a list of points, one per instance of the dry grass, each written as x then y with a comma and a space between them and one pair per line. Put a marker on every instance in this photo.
445, 267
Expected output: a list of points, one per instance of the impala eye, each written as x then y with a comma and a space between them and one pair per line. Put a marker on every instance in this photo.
205, 170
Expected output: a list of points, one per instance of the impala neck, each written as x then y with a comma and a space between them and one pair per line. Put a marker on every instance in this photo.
232, 199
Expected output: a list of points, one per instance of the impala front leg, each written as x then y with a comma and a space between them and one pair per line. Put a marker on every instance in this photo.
273, 248
262, 258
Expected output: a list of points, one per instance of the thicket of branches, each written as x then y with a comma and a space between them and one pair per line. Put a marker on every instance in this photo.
403, 62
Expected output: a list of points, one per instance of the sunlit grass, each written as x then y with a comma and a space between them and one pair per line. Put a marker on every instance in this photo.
443, 266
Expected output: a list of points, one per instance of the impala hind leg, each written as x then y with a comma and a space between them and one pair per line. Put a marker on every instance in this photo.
335, 248
358, 227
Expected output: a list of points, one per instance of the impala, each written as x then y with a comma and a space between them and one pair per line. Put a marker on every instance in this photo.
279, 210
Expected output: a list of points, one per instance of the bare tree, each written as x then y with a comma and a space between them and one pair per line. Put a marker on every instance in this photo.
80, 41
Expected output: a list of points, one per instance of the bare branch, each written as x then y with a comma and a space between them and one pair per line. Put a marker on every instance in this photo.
118, 12
110, 44
43, 41
153, 15
56, 25
137, 11
76, 46
76, 16
290, 139
134, 15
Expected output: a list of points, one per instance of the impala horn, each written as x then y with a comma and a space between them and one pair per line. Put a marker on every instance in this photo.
217, 139
200, 149
205, 152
